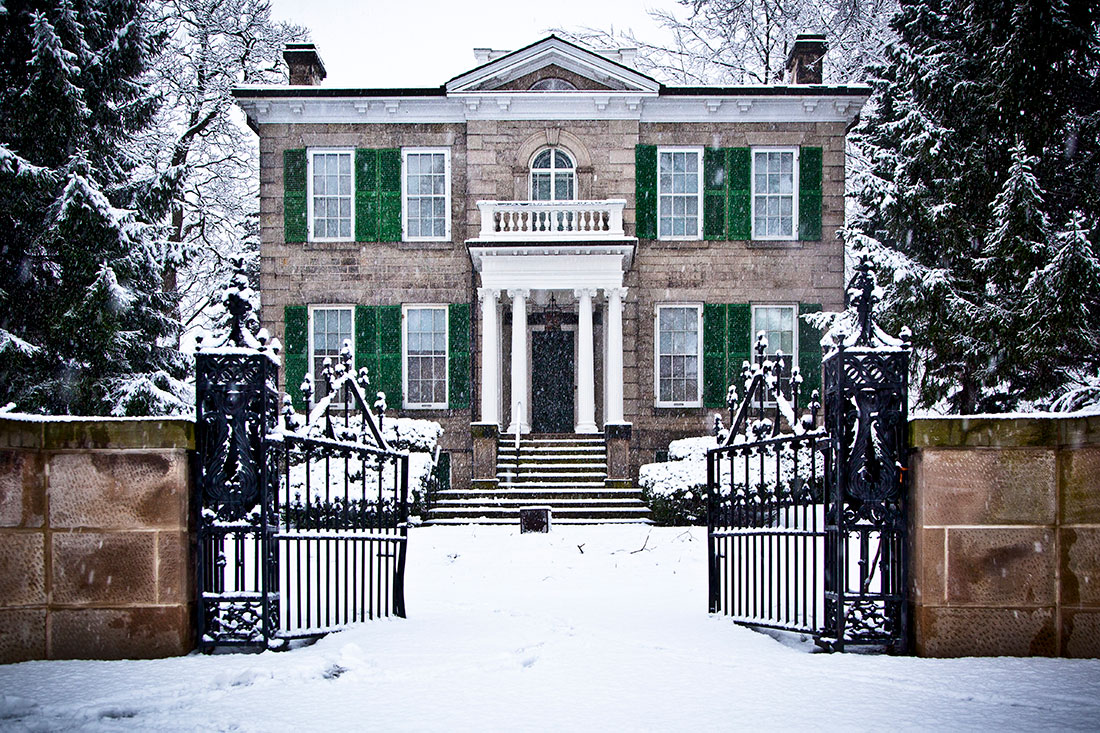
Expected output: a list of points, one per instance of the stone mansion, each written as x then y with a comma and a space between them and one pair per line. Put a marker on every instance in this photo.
551, 244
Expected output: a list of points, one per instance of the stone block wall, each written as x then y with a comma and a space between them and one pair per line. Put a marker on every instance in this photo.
699, 271
95, 555
490, 160
368, 273
1005, 535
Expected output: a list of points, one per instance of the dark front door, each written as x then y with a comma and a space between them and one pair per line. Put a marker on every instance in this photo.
552, 382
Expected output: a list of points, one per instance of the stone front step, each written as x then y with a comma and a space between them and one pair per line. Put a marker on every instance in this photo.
567, 473
507, 480
538, 495
515, 521
496, 512
555, 503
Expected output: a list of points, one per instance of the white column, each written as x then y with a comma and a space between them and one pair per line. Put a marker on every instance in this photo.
613, 365
490, 361
586, 367
519, 361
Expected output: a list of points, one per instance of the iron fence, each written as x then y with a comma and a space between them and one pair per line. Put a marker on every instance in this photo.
807, 524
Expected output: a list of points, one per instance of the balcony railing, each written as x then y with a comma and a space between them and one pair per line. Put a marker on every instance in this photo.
551, 220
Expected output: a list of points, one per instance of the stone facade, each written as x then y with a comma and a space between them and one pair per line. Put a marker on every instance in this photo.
1006, 536
95, 550
490, 155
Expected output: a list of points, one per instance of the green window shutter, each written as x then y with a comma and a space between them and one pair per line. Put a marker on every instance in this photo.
389, 354
738, 339
458, 356
645, 191
296, 342
295, 226
739, 173
366, 195
366, 339
809, 352
714, 193
714, 355
809, 194
389, 191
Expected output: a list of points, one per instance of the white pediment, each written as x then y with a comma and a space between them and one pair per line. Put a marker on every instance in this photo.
552, 51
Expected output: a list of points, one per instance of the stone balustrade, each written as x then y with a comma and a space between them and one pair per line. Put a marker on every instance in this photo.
551, 220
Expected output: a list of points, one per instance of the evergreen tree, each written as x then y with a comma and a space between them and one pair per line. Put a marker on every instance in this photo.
981, 195
84, 323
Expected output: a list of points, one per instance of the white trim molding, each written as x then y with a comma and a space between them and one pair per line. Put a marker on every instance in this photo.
311, 310
310, 153
405, 308
272, 105
753, 193
657, 401
673, 150
405, 153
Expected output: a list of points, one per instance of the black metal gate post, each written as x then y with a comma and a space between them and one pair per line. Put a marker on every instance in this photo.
807, 528
866, 510
236, 407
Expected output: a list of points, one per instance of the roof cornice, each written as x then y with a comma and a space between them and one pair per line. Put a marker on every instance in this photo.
767, 104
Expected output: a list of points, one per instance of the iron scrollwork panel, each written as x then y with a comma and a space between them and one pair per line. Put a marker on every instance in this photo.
237, 401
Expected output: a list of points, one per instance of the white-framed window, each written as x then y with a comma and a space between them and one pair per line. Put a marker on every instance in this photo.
679, 193
330, 326
775, 193
553, 176
331, 196
779, 324
426, 193
678, 354
424, 356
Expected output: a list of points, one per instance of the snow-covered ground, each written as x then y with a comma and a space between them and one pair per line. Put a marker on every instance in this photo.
587, 628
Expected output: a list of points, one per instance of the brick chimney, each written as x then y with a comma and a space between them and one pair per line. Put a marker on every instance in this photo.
306, 68
804, 60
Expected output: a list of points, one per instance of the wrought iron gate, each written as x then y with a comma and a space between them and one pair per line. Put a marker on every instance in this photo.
301, 527
807, 527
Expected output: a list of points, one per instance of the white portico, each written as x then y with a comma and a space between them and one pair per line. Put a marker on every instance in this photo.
536, 255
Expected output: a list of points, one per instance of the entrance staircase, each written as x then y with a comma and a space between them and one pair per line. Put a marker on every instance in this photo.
565, 472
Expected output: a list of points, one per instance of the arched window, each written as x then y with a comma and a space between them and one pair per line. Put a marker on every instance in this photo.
553, 84
553, 176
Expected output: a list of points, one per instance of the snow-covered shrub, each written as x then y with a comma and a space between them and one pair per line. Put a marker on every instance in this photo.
1083, 395
415, 436
676, 491
419, 438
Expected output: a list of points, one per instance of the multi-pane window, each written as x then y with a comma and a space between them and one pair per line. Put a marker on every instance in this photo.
330, 200
777, 322
426, 194
679, 189
553, 176
773, 194
425, 356
678, 355
330, 328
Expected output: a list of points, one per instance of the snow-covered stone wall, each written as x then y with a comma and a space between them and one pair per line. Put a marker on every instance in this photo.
1006, 536
94, 538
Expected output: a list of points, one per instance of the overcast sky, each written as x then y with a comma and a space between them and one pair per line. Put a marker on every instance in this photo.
423, 43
